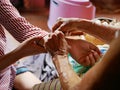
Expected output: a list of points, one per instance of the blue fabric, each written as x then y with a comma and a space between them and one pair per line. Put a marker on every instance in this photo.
21, 70
78, 68
40, 65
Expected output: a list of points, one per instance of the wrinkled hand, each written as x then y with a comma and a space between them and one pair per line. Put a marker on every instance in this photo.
32, 46
56, 44
68, 26
83, 51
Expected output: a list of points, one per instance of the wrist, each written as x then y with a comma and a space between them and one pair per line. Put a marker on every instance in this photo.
61, 62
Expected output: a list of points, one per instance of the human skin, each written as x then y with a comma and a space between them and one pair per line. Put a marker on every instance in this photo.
27, 48
72, 25
102, 76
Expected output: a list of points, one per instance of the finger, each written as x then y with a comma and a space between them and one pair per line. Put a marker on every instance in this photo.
60, 34
92, 59
53, 40
56, 40
85, 61
94, 48
57, 25
59, 19
63, 43
43, 50
96, 55
72, 32
35, 40
81, 60
50, 41
40, 42
75, 32
40, 47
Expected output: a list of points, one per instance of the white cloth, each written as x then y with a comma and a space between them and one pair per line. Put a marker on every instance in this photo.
41, 65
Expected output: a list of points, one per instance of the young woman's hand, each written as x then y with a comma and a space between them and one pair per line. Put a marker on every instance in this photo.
31, 46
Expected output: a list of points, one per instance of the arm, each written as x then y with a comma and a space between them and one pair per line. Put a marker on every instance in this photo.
65, 72
23, 50
23, 82
103, 76
105, 33
85, 53
106, 74
68, 78
82, 51
17, 25
66, 25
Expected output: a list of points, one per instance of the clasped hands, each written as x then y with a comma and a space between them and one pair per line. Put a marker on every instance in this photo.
82, 51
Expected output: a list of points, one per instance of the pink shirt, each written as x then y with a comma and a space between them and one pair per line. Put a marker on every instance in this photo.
20, 29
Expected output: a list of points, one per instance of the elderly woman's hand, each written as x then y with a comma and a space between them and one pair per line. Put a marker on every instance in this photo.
56, 44
68, 26
82, 51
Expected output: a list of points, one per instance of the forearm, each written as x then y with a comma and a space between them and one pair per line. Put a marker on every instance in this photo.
68, 78
17, 25
23, 82
105, 33
9, 59
105, 75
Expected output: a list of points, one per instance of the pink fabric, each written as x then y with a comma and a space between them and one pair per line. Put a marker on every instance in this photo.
20, 29
6, 78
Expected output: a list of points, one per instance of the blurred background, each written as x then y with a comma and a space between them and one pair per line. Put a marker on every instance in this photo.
43, 13
38, 11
